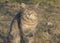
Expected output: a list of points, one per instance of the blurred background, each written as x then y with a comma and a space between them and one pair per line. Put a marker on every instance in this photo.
48, 29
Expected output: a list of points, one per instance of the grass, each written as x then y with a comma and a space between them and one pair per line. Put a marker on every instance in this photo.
48, 15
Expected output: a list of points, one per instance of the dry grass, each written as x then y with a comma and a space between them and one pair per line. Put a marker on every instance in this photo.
48, 29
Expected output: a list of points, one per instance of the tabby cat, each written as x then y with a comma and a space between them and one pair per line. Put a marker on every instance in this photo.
28, 22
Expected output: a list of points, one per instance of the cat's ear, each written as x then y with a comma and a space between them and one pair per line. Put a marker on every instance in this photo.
23, 5
37, 5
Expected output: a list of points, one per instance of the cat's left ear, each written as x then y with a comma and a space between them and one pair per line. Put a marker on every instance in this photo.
23, 5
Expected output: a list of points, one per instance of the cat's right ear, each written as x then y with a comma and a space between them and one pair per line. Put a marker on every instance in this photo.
36, 6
